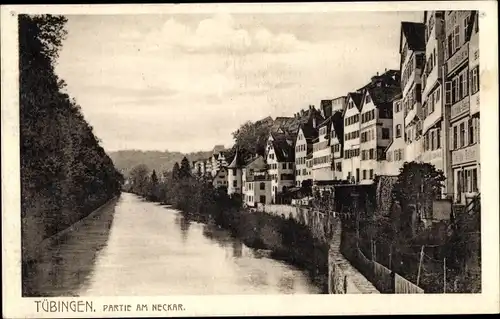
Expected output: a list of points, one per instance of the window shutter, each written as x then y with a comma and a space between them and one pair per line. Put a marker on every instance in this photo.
451, 138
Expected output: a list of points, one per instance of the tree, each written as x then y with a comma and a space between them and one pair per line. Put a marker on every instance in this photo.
252, 137
139, 178
176, 172
185, 169
418, 184
65, 173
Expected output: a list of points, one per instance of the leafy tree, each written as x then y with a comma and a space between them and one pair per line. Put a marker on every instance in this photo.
139, 177
418, 184
252, 137
65, 173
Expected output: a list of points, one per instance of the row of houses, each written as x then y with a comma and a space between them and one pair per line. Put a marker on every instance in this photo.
426, 111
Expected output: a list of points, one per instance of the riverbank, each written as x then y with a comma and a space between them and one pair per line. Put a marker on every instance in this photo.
36, 256
287, 240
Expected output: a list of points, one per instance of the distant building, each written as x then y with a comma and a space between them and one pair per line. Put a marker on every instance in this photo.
235, 172
256, 182
220, 178
337, 143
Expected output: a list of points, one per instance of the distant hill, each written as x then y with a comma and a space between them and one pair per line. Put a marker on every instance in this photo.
157, 160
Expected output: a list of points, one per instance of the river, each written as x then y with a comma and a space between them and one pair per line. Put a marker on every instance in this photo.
137, 248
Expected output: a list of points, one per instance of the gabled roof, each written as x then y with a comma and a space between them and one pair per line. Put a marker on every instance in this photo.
256, 163
414, 33
356, 98
309, 131
381, 96
472, 22
284, 152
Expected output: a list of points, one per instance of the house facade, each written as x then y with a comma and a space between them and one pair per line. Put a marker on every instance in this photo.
395, 152
462, 100
322, 154
303, 146
412, 51
280, 159
336, 143
351, 160
376, 129
220, 178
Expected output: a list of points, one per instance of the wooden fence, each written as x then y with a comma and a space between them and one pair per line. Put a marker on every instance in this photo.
403, 286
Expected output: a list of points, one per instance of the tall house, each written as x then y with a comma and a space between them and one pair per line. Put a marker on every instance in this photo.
395, 152
434, 128
375, 129
351, 161
303, 146
461, 73
234, 178
322, 169
412, 51
280, 157
337, 142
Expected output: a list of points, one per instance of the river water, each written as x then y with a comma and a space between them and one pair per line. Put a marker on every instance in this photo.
137, 248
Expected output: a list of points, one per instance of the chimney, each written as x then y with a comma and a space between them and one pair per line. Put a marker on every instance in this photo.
310, 107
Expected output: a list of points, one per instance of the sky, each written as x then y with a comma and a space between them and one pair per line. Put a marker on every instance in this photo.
185, 82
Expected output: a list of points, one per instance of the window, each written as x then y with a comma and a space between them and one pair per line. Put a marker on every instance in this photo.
364, 174
456, 38
283, 165
290, 165
385, 133
449, 45
426, 142
470, 127
475, 80
434, 56
398, 130
466, 24
462, 134
455, 137
262, 186
234, 171
433, 144
437, 95
367, 100
371, 174
372, 155
448, 93
438, 138
235, 183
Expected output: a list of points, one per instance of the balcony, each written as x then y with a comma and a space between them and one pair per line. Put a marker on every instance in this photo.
460, 108
457, 59
467, 154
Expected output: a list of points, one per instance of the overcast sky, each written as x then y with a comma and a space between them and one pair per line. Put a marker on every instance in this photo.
185, 82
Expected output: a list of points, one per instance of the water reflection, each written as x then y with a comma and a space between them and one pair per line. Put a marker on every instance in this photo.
65, 267
147, 250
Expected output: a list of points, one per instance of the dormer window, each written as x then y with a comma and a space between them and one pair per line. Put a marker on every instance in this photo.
368, 99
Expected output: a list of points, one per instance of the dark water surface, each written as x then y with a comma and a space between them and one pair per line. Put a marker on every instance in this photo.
138, 248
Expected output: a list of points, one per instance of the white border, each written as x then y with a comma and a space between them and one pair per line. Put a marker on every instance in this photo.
487, 302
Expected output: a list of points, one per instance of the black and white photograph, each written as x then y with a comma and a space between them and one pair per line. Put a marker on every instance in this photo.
249, 153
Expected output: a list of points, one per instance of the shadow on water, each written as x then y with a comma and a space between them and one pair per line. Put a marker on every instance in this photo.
67, 264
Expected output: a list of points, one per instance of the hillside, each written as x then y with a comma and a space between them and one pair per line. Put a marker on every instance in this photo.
157, 160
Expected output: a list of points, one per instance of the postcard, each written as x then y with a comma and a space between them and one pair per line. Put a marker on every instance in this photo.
250, 159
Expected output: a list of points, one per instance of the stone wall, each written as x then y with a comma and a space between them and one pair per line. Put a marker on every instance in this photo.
343, 278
